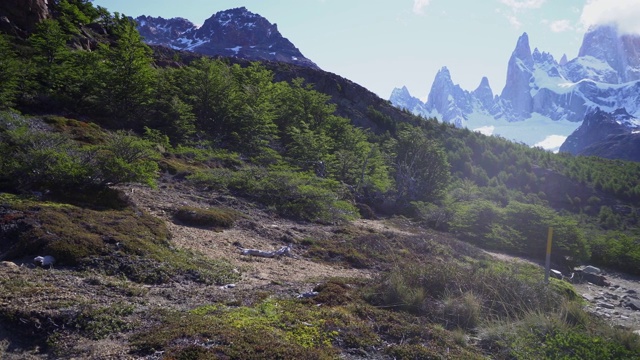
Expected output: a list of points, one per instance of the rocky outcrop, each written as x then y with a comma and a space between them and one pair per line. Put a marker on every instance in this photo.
230, 33
20, 17
612, 135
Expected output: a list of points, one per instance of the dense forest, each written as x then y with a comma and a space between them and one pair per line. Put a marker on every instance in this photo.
87, 108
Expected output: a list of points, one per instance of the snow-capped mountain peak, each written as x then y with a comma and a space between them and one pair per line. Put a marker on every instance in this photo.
606, 75
235, 32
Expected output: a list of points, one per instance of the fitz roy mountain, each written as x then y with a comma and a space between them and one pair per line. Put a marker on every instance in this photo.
231, 33
605, 76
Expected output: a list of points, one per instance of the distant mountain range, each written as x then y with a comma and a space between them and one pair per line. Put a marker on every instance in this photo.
232, 33
543, 98
604, 76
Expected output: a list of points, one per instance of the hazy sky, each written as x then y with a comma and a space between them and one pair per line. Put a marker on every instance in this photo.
382, 44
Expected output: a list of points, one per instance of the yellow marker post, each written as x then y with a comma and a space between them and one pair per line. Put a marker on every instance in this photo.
548, 263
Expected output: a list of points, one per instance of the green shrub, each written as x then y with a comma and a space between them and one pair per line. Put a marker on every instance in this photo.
39, 160
212, 217
297, 195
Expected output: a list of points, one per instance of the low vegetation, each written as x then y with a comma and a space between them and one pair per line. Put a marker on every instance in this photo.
225, 128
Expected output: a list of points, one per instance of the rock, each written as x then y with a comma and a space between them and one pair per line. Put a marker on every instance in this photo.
22, 16
606, 305
44, 261
588, 297
309, 294
631, 291
595, 279
591, 270
612, 296
9, 265
633, 304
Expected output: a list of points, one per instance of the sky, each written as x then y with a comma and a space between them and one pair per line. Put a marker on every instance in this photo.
384, 44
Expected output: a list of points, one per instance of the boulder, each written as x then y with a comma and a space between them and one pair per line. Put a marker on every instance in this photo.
580, 276
43, 261
592, 270
556, 274
633, 304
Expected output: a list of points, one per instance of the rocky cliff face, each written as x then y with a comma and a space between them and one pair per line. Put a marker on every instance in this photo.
20, 17
614, 135
620, 52
232, 33
516, 97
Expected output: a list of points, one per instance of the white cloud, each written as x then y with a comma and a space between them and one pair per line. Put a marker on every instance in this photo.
513, 20
518, 5
552, 142
560, 26
419, 5
486, 130
625, 13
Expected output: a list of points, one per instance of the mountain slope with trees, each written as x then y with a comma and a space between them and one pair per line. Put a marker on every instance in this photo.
250, 143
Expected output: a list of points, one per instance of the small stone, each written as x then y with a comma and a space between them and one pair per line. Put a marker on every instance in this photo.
606, 305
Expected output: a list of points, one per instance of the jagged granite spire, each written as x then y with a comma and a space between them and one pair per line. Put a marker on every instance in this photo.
516, 95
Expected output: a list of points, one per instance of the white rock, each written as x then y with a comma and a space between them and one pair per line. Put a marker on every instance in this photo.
44, 260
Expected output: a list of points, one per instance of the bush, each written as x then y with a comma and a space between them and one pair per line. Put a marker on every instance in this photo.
297, 195
39, 160
212, 217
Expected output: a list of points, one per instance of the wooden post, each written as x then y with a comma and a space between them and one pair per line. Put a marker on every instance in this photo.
548, 262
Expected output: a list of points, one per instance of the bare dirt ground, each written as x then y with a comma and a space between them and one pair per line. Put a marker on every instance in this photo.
257, 230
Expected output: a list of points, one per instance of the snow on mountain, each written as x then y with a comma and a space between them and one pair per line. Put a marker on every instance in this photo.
546, 98
235, 32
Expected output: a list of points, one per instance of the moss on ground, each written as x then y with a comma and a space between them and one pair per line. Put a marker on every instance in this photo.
125, 242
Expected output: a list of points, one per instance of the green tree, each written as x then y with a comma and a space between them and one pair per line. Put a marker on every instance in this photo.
9, 68
74, 13
422, 169
208, 86
127, 76
168, 113
51, 55
252, 125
